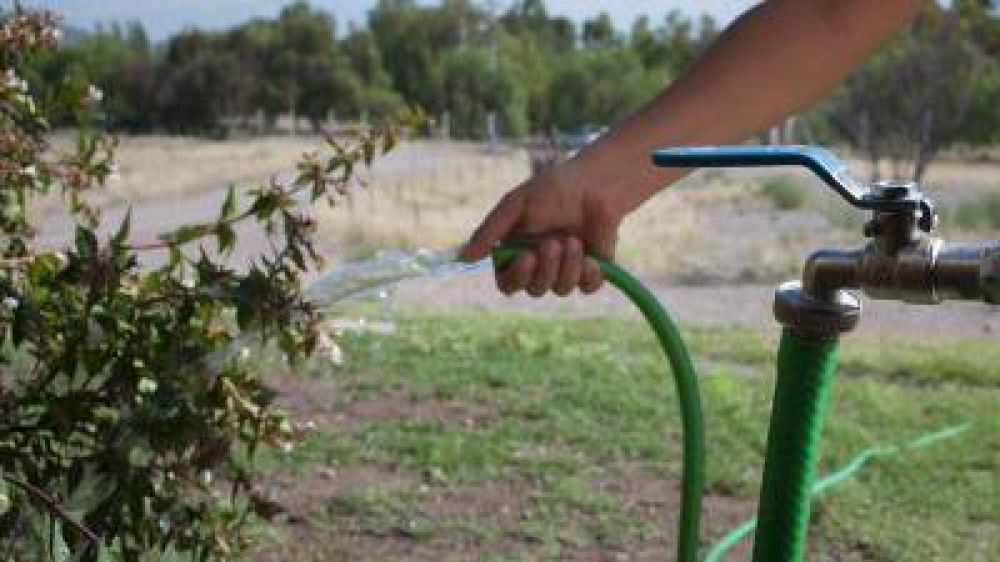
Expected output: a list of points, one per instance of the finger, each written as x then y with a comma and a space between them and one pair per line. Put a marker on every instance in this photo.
571, 269
592, 278
516, 276
497, 224
547, 270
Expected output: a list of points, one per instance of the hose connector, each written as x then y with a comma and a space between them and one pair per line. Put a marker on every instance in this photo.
816, 319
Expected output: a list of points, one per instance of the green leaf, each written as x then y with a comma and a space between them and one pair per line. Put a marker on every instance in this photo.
226, 238
229, 205
189, 233
265, 205
120, 237
86, 243
176, 257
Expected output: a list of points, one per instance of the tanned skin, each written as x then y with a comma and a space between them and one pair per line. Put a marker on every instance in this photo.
775, 60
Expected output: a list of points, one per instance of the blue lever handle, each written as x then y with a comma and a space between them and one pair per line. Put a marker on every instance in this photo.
821, 161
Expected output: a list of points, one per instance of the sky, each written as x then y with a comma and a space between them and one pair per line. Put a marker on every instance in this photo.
162, 18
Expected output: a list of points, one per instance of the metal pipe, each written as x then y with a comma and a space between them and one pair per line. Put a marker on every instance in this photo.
925, 271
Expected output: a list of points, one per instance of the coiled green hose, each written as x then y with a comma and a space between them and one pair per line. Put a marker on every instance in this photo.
688, 392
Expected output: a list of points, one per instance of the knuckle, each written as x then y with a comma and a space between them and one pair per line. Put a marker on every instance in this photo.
573, 247
550, 250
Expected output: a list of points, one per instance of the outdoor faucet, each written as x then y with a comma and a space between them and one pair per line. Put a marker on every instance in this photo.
902, 260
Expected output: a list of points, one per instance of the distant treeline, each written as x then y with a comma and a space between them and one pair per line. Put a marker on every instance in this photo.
533, 71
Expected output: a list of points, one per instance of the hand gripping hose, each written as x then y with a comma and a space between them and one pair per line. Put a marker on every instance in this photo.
686, 380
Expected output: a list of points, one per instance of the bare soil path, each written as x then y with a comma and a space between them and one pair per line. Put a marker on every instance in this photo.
747, 305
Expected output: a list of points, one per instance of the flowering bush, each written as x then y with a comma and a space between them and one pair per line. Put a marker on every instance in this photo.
118, 440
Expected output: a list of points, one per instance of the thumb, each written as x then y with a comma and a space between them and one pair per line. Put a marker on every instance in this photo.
497, 225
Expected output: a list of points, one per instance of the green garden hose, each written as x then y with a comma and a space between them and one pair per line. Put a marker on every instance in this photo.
847, 470
806, 369
686, 380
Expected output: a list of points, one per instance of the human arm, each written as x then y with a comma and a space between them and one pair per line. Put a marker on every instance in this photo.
776, 59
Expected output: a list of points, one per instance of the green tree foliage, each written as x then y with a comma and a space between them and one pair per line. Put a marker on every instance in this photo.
128, 429
599, 31
528, 19
535, 71
913, 98
475, 82
599, 86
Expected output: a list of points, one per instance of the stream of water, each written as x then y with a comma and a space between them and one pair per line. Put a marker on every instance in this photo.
372, 277
381, 272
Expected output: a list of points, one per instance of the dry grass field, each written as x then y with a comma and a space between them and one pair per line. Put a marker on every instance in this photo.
714, 227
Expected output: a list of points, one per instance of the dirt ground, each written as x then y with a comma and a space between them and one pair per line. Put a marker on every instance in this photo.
318, 524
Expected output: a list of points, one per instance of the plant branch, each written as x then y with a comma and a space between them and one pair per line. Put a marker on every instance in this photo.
54, 507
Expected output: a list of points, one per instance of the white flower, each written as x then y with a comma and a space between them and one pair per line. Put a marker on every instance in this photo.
147, 386
14, 82
244, 353
61, 259
329, 348
11, 303
93, 95
187, 283
206, 477
29, 171
287, 447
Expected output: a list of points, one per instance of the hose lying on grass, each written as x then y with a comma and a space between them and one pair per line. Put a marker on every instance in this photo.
849, 469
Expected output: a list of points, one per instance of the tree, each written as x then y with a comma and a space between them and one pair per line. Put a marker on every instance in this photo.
328, 83
194, 95
911, 100
528, 19
304, 40
365, 58
599, 31
599, 87
472, 87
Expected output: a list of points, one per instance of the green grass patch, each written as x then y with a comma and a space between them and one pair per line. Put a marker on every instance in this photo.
982, 211
785, 193
571, 398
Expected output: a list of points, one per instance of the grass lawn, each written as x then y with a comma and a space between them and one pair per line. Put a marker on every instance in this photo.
504, 437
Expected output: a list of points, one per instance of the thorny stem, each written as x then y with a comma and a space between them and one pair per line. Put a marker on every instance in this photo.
54, 507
